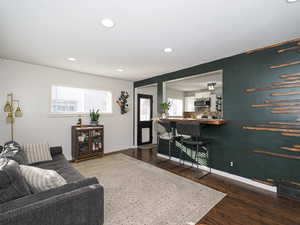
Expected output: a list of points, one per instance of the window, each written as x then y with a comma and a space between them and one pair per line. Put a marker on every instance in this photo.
77, 100
176, 108
145, 109
189, 104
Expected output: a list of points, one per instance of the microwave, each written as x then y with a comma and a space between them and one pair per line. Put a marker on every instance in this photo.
202, 103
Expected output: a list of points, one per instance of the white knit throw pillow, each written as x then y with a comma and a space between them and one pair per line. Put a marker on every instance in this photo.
37, 153
40, 179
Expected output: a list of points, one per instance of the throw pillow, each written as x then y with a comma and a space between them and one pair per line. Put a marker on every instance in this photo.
14, 151
37, 153
12, 183
40, 179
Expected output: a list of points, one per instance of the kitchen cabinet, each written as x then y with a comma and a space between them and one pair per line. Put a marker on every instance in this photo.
202, 94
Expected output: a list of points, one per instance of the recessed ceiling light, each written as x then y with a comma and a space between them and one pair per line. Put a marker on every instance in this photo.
168, 50
292, 1
120, 70
71, 59
107, 22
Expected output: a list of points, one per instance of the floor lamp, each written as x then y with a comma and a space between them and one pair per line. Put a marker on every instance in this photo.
9, 108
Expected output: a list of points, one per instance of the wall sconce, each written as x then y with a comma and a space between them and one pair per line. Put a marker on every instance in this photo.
11, 114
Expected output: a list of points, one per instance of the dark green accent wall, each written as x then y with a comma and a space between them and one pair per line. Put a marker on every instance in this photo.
231, 143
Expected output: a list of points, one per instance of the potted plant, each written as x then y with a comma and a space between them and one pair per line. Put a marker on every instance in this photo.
94, 116
165, 106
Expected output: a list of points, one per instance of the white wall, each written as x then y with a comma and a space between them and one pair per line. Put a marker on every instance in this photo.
31, 85
147, 90
171, 93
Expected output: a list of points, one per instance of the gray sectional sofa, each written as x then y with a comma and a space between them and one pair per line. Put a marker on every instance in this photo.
80, 202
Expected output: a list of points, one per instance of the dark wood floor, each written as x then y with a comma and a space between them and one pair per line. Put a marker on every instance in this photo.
243, 205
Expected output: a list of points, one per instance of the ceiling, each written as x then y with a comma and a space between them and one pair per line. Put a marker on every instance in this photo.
48, 32
197, 83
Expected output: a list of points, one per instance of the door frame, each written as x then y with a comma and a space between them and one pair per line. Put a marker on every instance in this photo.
151, 89
142, 124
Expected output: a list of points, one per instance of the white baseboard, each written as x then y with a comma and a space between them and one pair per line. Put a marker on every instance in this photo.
228, 175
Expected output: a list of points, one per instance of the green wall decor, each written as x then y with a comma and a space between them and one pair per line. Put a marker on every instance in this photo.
231, 142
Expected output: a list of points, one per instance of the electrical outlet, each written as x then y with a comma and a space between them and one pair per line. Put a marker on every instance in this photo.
231, 164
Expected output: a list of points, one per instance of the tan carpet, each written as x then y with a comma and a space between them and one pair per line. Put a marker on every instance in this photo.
137, 193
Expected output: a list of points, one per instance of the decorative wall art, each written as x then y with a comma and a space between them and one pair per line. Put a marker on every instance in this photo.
289, 104
123, 102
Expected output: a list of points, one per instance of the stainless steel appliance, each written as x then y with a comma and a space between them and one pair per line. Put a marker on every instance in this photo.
202, 103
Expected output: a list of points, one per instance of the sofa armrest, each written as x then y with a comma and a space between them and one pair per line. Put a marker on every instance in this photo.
56, 150
72, 204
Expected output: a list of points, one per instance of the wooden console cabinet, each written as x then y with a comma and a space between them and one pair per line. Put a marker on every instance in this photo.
87, 142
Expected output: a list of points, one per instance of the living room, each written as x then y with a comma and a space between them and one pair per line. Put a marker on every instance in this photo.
150, 113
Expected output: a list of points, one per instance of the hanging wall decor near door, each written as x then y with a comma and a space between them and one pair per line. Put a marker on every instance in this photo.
123, 102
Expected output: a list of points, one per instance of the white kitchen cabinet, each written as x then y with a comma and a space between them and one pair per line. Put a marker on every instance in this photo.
202, 94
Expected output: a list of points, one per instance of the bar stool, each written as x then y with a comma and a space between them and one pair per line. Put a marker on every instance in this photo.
165, 132
194, 131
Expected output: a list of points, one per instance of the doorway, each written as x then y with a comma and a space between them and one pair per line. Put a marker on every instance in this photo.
144, 119
198, 96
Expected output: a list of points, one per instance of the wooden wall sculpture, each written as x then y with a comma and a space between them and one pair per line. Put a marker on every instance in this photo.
297, 40
281, 106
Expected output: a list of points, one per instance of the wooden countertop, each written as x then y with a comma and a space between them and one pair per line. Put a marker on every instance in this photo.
203, 121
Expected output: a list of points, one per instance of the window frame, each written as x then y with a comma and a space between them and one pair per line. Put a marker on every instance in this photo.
76, 114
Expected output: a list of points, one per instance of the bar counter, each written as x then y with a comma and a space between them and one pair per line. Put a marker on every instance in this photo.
217, 122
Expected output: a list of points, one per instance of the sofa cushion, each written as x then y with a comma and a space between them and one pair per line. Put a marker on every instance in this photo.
47, 194
40, 179
61, 165
37, 153
56, 150
14, 151
12, 183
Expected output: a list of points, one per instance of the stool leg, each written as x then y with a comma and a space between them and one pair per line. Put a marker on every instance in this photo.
180, 154
169, 149
208, 158
193, 158
197, 151
206, 149
196, 157
184, 155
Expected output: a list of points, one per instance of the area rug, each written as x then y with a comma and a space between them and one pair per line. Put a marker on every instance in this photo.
138, 193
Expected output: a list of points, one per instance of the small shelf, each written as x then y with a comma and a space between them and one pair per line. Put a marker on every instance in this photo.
87, 142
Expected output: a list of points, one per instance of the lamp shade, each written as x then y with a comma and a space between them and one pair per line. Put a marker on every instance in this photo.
7, 107
10, 118
18, 112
